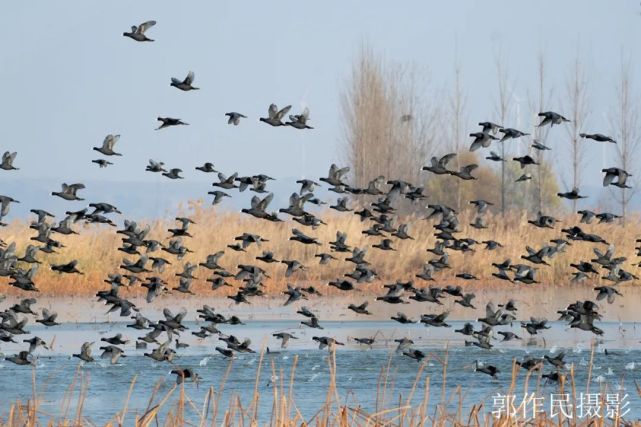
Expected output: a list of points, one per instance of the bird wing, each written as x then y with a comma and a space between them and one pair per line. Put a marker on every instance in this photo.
489, 309
342, 171
110, 141
294, 199
446, 158
279, 115
608, 178
272, 111
266, 201
144, 27
86, 348
190, 78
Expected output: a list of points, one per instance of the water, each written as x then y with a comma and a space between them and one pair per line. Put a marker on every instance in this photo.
358, 367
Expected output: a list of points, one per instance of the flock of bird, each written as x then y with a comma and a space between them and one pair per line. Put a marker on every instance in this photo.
380, 217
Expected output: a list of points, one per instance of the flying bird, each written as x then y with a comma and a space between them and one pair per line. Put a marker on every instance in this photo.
138, 32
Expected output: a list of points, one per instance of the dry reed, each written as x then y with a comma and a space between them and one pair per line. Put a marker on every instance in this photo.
333, 411
95, 247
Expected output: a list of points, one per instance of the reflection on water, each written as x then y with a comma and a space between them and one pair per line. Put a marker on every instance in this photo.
358, 366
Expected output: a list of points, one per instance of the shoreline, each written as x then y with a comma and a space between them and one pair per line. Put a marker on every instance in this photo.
531, 301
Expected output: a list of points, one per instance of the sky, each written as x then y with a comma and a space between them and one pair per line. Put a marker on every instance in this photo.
70, 78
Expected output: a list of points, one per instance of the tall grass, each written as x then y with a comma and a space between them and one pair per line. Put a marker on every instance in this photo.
95, 247
332, 410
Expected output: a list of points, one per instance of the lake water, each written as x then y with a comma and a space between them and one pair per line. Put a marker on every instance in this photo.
358, 367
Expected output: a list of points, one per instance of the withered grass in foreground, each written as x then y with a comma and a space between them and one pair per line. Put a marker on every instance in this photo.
391, 408
95, 247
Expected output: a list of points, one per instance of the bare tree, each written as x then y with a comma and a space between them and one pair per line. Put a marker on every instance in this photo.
540, 134
503, 107
627, 132
388, 130
457, 106
544, 187
577, 105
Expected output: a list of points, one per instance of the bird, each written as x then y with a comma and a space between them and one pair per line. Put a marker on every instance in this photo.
34, 343
185, 84
489, 127
275, 116
85, 352
402, 318
226, 183
467, 329
22, 358
107, 147
185, 374
481, 205
155, 166
284, 337
597, 137
481, 140
571, 195
312, 323
556, 360
69, 191
494, 157
138, 32
508, 336
234, 118
539, 146
551, 118
294, 294
169, 121
465, 172
326, 342
606, 292
173, 173
466, 300
301, 237
206, 167
299, 121
525, 161
417, 355
48, 318
613, 173
7, 161
439, 165
359, 309
510, 133
102, 163
218, 196
225, 352
335, 175
490, 370
112, 352
437, 320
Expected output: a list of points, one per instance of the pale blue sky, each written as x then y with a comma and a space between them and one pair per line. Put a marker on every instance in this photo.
70, 77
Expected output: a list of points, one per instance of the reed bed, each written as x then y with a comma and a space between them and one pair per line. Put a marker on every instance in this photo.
391, 409
95, 247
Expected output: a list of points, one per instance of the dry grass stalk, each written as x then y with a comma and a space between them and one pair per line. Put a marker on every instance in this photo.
96, 251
